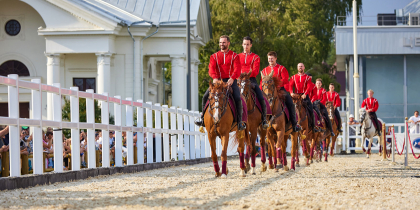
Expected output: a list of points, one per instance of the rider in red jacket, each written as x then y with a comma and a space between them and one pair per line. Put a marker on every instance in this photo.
372, 106
251, 61
225, 65
302, 84
320, 94
335, 98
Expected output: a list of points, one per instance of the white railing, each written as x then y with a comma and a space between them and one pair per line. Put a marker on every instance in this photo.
181, 141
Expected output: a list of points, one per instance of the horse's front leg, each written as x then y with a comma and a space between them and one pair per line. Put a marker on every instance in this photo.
241, 148
369, 146
212, 141
253, 152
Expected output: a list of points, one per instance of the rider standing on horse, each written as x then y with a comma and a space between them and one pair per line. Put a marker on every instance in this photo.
302, 84
335, 98
372, 106
250, 60
225, 65
319, 93
281, 73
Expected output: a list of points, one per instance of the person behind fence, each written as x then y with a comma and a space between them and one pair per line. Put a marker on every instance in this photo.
414, 120
335, 98
352, 132
250, 60
319, 93
225, 66
372, 106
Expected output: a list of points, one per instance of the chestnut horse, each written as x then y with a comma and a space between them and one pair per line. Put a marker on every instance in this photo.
254, 123
303, 120
279, 131
318, 137
330, 109
219, 122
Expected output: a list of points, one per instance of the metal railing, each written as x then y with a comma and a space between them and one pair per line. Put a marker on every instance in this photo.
181, 141
384, 20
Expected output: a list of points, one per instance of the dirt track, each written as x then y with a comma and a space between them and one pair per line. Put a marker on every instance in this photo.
345, 182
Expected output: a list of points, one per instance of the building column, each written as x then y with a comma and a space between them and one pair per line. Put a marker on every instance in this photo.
53, 76
137, 70
179, 82
194, 85
104, 72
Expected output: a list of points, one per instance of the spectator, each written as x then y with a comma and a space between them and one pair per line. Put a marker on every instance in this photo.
112, 144
4, 134
414, 121
352, 132
83, 147
49, 149
66, 153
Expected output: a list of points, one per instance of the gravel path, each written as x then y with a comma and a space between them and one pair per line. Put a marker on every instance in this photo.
345, 182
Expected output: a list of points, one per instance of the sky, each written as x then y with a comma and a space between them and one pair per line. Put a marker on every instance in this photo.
373, 7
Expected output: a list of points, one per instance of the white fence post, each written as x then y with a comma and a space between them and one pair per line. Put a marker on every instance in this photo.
105, 132
165, 119
37, 131
129, 134
118, 137
344, 137
90, 136
58, 135
140, 135
192, 137
348, 138
149, 124
158, 137
180, 136
75, 138
173, 137
198, 144
14, 131
186, 136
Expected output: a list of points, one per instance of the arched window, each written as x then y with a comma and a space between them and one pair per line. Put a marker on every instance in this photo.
13, 67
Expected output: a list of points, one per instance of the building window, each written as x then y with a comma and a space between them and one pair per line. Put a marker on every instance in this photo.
12, 27
415, 20
13, 67
85, 83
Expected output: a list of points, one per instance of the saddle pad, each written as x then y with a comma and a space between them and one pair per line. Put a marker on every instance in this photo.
286, 111
318, 120
380, 125
257, 102
233, 108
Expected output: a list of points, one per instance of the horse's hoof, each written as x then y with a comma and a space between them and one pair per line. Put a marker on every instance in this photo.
271, 166
286, 168
218, 174
263, 167
332, 154
253, 171
242, 174
367, 156
297, 165
224, 176
312, 161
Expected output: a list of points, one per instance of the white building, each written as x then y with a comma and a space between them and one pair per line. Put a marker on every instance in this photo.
87, 43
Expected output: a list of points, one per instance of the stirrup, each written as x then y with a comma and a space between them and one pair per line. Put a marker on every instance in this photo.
199, 122
332, 133
316, 130
265, 124
297, 128
241, 126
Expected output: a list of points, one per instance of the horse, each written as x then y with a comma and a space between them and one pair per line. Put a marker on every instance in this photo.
254, 123
330, 109
369, 131
303, 119
279, 131
219, 122
318, 137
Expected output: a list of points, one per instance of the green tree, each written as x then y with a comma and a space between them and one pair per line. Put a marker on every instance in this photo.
300, 31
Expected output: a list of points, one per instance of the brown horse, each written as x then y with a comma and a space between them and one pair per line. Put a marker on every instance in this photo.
279, 131
330, 110
254, 123
303, 119
219, 122
318, 137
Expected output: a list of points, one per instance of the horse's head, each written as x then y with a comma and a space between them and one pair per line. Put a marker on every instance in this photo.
269, 87
330, 109
245, 83
362, 114
218, 99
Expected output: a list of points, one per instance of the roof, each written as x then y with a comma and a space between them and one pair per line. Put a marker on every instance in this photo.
412, 7
157, 12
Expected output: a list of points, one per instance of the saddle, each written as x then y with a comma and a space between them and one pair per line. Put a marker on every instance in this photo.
319, 120
257, 103
233, 108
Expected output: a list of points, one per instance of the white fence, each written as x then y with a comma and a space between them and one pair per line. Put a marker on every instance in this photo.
181, 141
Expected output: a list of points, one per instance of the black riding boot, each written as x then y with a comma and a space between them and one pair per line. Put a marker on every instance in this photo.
292, 113
241, 124
337, 114
311, 114
264, 115
200, 121
260, 97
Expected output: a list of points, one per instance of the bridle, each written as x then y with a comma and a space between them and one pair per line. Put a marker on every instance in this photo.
217, 97
299, 106
270, 86
247, 83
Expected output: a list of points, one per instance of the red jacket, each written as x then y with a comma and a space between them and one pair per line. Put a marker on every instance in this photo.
301, 82
334, 97
319, 94
280, 72
224, 65
371, 103
248, 61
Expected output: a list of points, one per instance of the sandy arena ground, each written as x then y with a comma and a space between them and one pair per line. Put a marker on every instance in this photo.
345, 182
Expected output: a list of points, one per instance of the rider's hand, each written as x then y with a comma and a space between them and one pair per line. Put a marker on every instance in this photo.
215, 80
292, 94
304, 96
230, 81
